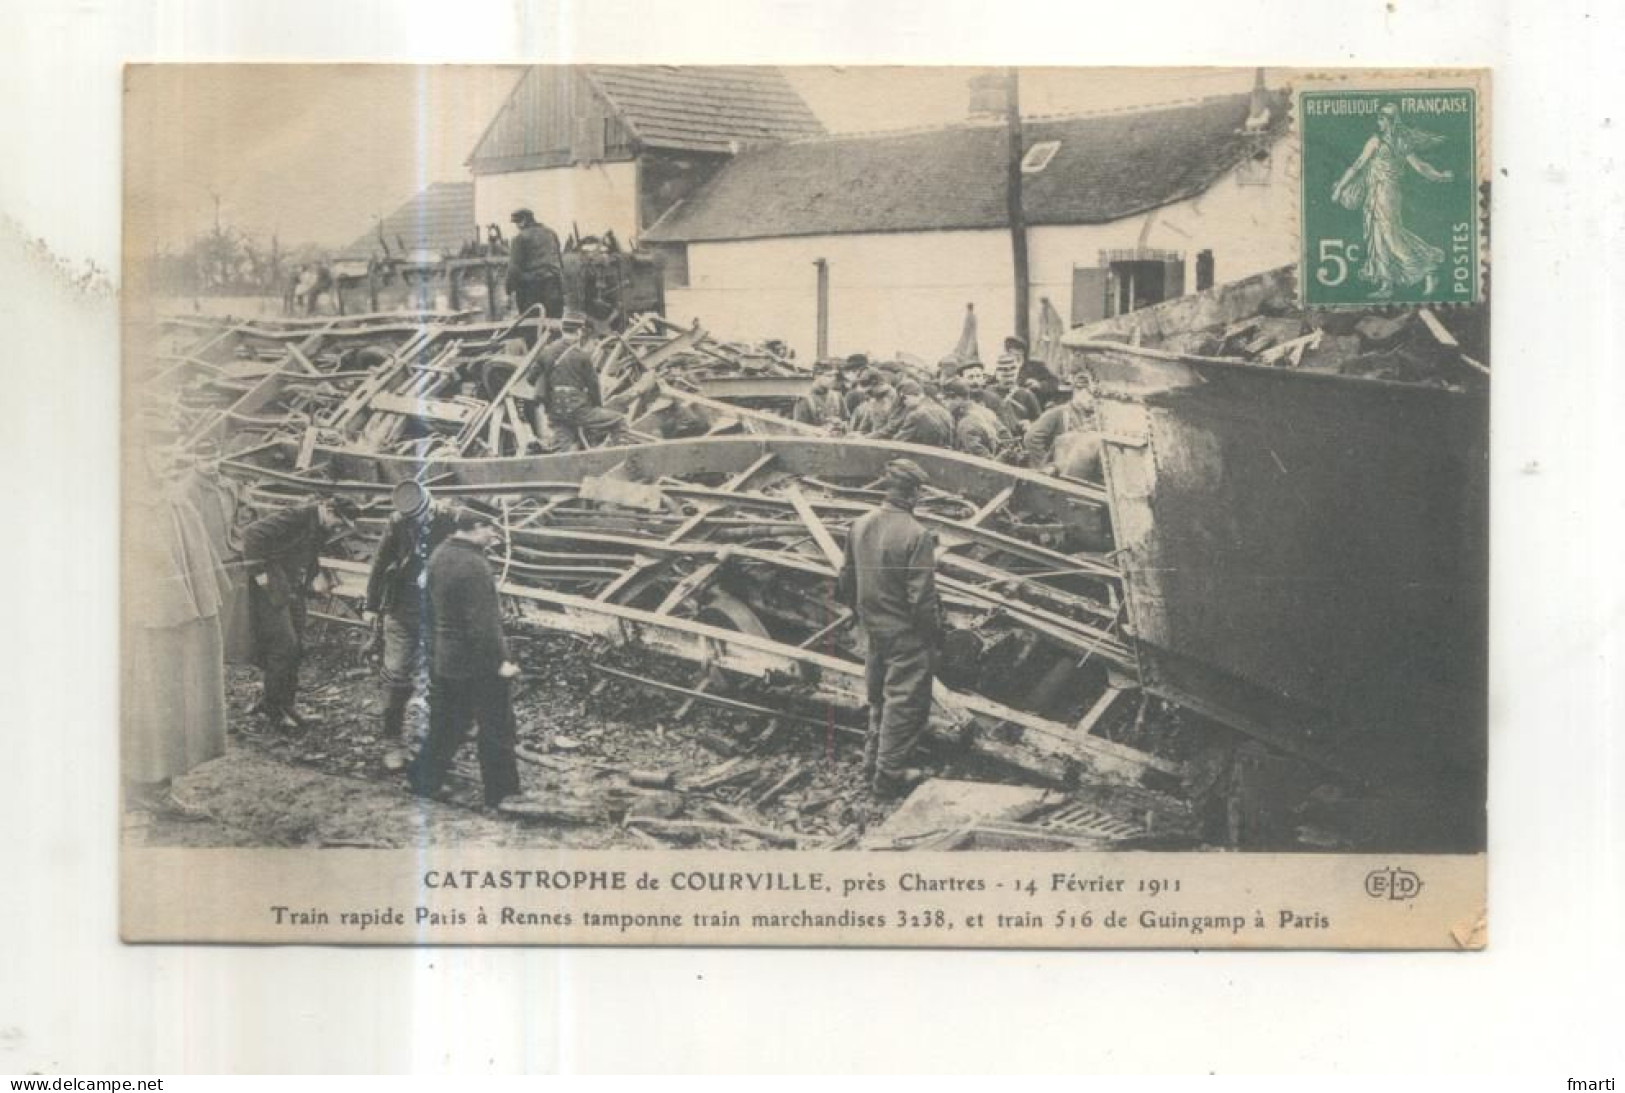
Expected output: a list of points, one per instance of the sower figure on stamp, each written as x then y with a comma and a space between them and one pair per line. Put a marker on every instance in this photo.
397, 598
280, 553
1394, 255
535, 268
469, 665
889, 578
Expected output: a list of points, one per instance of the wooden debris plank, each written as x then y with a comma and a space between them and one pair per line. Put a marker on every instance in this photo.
493, 435
699, 694
1105, 702
688, 526
1293, 348
688, 586
1437, 329
737, 482
797, 773
521, 428
826, 542
994, 504
638, 568
411, 405
303, 361
307, 449
842, 621
679, 828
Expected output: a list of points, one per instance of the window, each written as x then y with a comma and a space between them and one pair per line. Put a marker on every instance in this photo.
1141, 277
1038, 156
1257, 165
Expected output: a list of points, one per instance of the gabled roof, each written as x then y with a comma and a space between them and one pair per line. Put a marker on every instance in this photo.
704, 108
440, 219
1107, 167
689, 108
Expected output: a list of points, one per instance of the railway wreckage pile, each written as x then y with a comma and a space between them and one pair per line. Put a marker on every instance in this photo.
1092, 677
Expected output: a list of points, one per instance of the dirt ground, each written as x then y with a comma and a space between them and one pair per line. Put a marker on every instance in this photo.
732, 780
608, 764
581, 737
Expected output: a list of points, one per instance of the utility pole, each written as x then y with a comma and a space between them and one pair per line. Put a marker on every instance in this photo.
1012, 193
822, 266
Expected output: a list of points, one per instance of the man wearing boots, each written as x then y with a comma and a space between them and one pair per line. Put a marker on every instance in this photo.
397, 598
280, 554
470, 667
889, 578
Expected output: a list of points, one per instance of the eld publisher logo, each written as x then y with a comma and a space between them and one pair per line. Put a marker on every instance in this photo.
1392, 883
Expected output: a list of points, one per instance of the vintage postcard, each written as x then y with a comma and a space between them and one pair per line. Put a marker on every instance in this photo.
756, 506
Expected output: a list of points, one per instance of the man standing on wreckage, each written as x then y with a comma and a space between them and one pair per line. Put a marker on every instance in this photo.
397, 597
889, 578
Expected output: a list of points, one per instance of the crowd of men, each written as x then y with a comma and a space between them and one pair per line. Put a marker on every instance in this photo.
433, 602
1017, 413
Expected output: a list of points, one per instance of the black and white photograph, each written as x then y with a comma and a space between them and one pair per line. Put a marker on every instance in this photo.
651, 462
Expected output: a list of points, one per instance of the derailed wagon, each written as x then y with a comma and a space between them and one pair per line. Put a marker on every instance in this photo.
1302, 530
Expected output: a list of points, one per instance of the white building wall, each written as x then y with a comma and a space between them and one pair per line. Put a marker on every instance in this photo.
908, 290
596, 197
1248, 229
904, 291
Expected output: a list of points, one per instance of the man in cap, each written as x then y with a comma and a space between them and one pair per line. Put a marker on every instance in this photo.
1010, 414
535, 268
397, 596
888, 577
281, 553
857, 391
876, 410
821, 406
469, 664
919, 420
569, 392
977, 431
1066, 437
1018, 371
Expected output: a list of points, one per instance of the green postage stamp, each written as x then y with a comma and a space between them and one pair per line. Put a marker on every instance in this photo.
1390, 196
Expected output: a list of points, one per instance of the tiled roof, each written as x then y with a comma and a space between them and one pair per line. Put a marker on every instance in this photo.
692, 108
440, 219
1107, 167
704, 108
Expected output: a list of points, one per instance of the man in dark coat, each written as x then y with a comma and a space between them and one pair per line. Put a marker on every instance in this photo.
889, 578
919, 420
396, 596
535, 268
469, 664
976, 430
1066, 438
822, 405
281, 554
569, 392
974, 377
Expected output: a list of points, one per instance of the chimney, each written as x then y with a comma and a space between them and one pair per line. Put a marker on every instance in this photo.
1258, 109
987, 96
